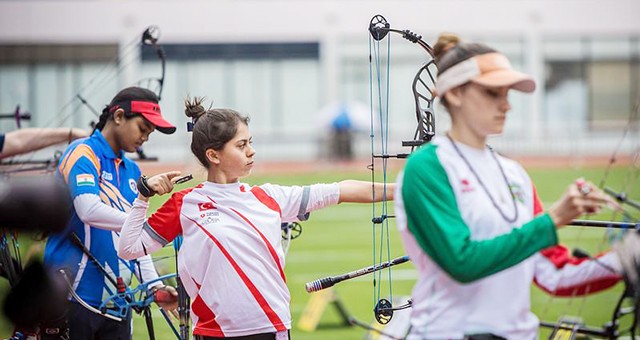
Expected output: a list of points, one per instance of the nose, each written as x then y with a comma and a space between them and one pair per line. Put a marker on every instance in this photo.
505, 106
250, 151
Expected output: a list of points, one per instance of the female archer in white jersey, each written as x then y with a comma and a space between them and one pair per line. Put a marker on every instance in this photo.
471, 220
231, 262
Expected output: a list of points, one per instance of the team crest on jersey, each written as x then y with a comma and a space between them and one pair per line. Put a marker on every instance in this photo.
517, 192
85, 179
206, 206
466, 186
133, 186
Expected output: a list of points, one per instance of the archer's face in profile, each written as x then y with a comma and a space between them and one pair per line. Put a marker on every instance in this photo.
482, 108
235, 159
132, 132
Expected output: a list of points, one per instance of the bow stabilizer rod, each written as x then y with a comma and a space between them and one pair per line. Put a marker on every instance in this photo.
329, 281
605, 224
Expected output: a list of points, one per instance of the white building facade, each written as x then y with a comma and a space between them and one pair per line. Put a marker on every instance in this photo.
284, 62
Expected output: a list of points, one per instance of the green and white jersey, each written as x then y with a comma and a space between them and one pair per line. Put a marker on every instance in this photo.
476, 268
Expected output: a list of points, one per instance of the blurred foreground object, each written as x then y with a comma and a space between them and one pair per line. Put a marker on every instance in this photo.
34, 204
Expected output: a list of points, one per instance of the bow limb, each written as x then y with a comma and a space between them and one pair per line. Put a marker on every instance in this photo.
83, 303
150, 37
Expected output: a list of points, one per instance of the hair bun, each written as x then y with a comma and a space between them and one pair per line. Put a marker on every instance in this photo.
446, 41
193, 107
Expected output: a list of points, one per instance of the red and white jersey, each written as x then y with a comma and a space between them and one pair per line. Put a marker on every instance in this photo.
231, 262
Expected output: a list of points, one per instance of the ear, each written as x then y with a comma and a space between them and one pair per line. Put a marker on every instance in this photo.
212, 156
118, 116
454, 96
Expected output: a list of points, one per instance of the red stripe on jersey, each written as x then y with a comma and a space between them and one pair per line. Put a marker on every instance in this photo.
272, 251
559, 255
537, 204
266, 199
207, 324
268, 311
166, 220
583, 289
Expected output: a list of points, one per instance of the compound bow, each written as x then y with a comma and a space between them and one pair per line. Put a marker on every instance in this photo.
423, 94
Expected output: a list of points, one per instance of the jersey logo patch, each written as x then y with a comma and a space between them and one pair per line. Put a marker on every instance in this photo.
466, 186
107, 175
517, 192
85, 179
210, 219
205, 206
133, 186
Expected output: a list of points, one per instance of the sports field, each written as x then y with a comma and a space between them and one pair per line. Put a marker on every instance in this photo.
339, 239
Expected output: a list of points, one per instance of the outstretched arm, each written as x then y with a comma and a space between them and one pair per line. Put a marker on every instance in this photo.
365, 192
559, 273
31, 139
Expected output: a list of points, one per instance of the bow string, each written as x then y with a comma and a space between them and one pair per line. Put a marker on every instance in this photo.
423, 89
620, 222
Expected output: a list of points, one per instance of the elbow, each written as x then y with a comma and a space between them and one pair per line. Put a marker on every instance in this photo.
124, 252
460, 272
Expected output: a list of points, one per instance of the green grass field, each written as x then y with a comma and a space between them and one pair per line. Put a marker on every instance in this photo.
339, 239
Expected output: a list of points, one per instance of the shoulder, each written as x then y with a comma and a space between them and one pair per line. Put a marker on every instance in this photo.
427, 154
181, 194
81, 150
512, 165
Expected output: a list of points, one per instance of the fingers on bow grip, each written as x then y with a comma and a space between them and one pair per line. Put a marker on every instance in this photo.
162, 296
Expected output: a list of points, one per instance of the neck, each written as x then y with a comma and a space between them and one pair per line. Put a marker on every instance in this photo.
467, 137
109, 134
217, 176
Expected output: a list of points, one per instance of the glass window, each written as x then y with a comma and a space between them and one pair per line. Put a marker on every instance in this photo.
610, 93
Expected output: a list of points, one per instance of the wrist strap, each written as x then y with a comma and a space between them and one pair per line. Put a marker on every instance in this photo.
143, 187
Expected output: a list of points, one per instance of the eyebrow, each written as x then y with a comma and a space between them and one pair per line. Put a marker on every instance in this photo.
244, 140
148, 125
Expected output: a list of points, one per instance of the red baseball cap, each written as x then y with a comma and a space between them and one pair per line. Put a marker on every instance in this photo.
150, 111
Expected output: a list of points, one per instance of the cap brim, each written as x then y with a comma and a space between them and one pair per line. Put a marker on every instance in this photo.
160, 124
510, 78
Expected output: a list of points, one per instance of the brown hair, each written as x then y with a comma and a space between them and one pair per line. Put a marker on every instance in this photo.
212, 128
449, 50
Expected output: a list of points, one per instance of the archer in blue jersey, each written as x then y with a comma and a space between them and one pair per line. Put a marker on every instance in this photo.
102, 183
